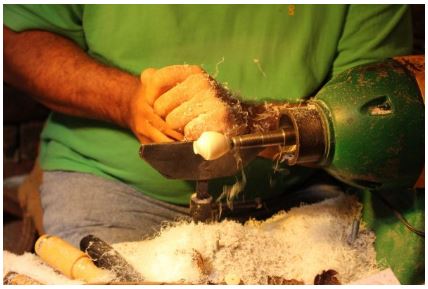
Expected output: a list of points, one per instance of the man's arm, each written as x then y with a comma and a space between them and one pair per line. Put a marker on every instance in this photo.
64, 78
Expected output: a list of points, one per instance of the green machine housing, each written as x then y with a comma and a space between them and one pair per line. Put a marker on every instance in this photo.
365, 127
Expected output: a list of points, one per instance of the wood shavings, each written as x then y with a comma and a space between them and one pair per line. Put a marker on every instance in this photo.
298, 244
217, 65
232, 279
291, 247
275, 280
201, 263
32, 266
256, 61
231, 192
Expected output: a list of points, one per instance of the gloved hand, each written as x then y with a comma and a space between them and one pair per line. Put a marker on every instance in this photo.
183, 99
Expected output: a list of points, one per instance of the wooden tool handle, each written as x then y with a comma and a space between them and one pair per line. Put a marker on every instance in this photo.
13, 278
69, 260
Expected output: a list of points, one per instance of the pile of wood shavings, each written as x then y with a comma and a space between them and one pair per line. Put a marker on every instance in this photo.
298, 244
32, 266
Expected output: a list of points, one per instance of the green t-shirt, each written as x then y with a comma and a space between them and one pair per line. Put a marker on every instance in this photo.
261, 52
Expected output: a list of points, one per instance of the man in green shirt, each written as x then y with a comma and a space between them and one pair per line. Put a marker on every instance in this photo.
85, 63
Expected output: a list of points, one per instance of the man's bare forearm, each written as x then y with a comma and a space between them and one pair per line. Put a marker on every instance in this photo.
64, 78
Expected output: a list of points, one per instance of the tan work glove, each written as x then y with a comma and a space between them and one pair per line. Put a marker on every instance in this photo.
182, 101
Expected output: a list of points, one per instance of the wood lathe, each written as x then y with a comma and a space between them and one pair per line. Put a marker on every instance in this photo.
365, 127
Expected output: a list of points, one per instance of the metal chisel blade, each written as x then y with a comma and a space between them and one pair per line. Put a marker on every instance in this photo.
177, 160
